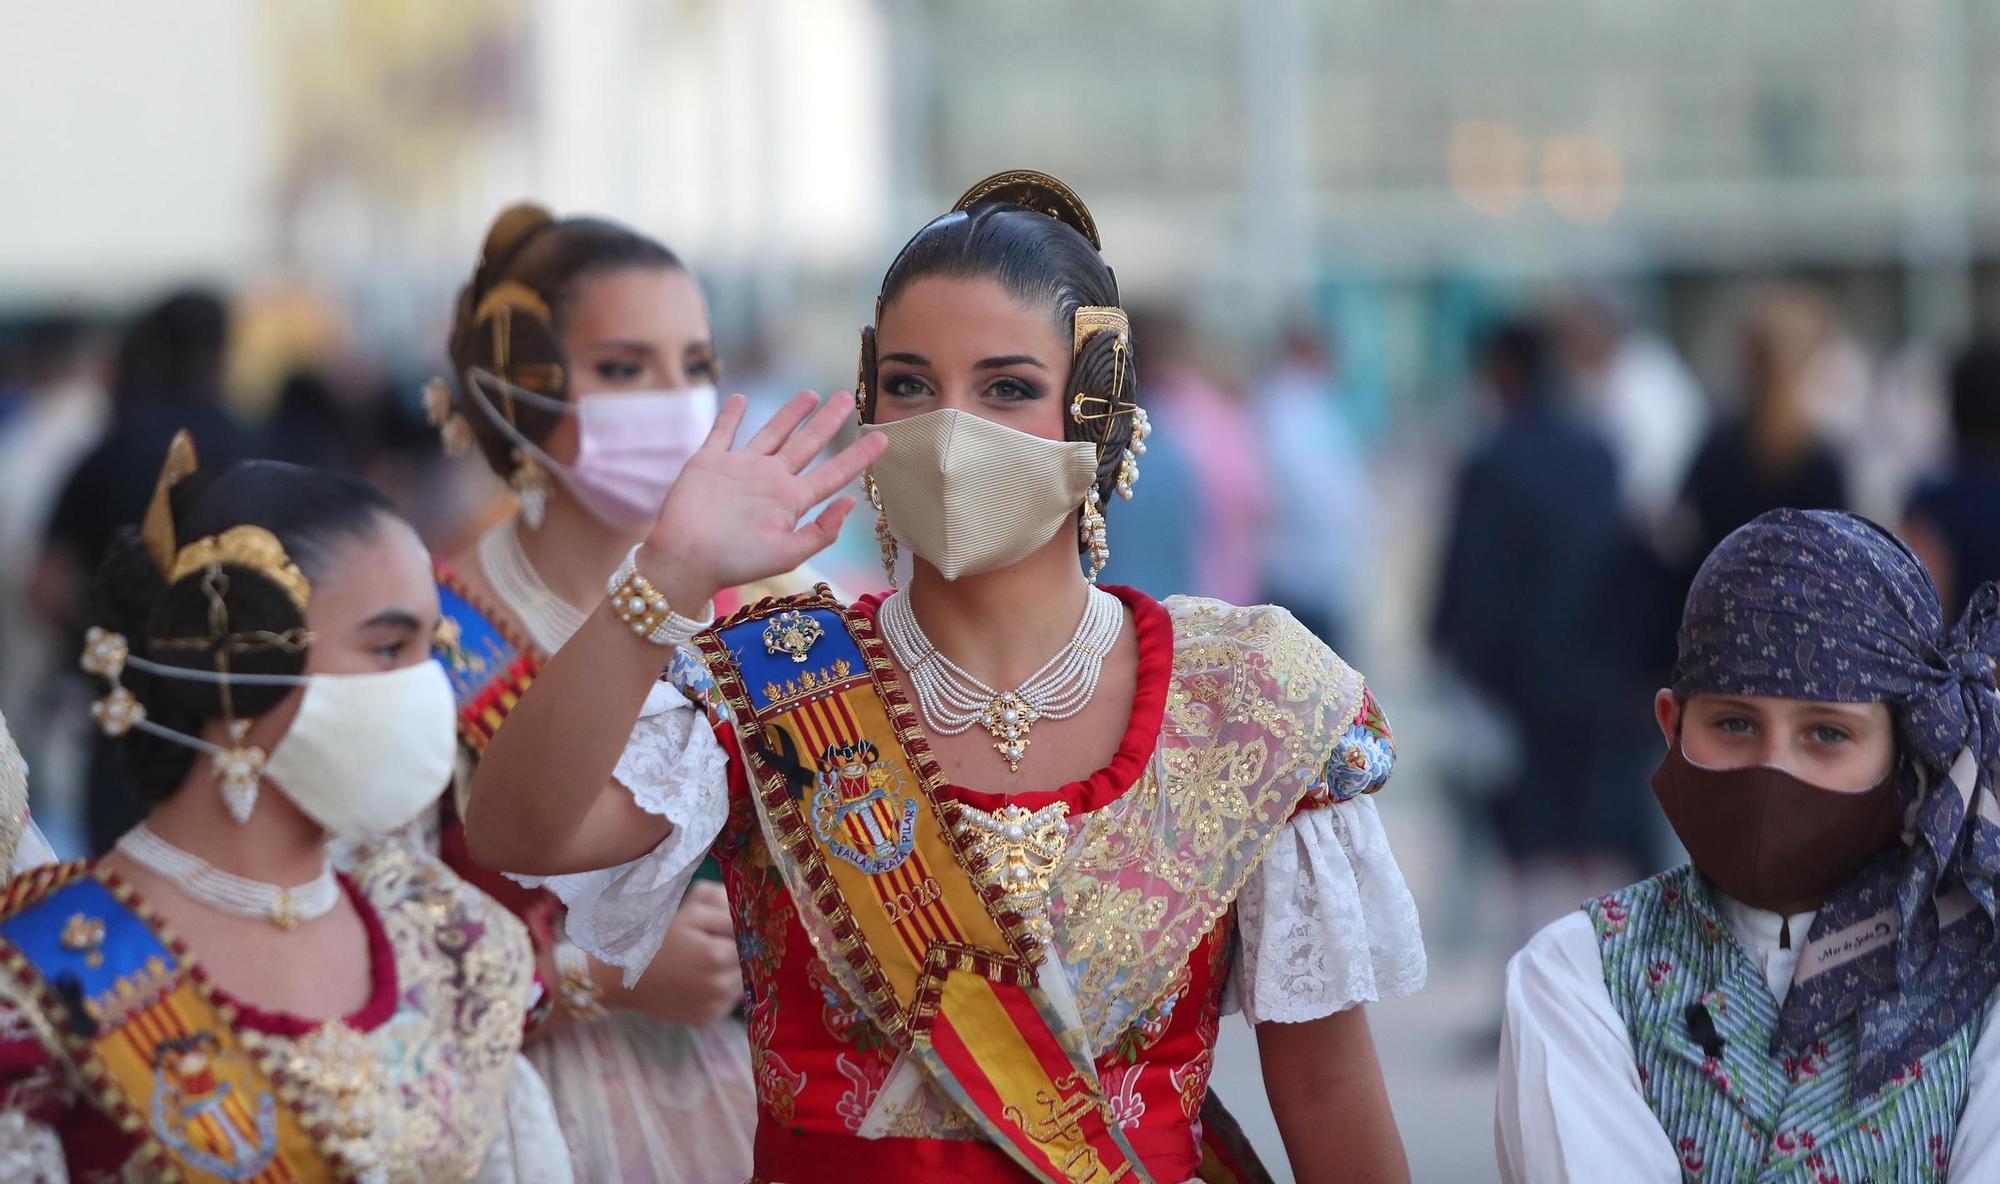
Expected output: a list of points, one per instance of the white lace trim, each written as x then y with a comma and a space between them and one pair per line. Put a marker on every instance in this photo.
1325, 922
30, 1152
674, 767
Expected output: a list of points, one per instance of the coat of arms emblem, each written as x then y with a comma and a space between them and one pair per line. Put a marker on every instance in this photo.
859, 809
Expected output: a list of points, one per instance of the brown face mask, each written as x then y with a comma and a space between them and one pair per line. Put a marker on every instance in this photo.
1769, 839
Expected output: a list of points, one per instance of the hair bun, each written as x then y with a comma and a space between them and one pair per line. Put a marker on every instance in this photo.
511, 229
1035, 191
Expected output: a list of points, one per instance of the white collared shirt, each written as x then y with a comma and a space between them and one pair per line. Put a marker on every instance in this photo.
1570, 1109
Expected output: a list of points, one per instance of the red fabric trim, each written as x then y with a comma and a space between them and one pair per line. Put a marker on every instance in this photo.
373, 1014
804, 1157
1154, 629
20, 1057
799, 1157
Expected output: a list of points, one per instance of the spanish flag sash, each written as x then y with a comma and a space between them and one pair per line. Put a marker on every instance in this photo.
489, 662
846, 789
156, 1050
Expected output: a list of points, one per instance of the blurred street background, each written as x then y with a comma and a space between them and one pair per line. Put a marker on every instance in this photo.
1468, 326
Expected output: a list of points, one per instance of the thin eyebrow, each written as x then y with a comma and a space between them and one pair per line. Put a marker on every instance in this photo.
640, 347
1008, 360
907, 359
393, 618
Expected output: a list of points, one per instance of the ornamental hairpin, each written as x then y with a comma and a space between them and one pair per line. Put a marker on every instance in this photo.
239, 766
496, 312
1086, 408
453, 431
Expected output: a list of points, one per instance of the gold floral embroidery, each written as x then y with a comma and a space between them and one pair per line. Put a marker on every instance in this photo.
1255, 705
925, 1115
357, 1099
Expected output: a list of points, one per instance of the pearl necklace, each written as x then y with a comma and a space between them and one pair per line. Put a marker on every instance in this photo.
952, 699
549, 619
228, 892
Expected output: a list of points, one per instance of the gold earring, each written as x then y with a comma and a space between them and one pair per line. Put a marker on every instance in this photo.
1091, 527
238, 769
530, 483
884, 540
1128, 464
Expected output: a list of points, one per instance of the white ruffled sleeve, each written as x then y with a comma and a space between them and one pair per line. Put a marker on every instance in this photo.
674, 767
1325, 922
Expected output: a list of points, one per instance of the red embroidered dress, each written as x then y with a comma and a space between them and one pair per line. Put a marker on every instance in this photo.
1318, 920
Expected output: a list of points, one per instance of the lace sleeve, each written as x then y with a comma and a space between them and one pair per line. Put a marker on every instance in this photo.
30, 1151
675, 768
1325, 922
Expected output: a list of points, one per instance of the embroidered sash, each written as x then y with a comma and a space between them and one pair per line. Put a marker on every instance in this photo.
845, 787
155, 1049
489, 662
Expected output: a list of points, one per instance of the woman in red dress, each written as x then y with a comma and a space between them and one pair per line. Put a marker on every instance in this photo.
1004, 846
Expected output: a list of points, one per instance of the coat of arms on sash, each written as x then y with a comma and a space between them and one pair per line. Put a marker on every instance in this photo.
859, 809
201, 1113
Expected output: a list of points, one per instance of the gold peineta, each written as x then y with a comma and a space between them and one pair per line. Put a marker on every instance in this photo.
1036, 191
245, 546
495, 313
511, 296
157, 528
1092, 319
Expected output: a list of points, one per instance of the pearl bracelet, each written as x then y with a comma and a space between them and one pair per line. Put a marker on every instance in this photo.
581, 994
636, 602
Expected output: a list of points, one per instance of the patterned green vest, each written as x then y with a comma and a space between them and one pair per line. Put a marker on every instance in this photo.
1748, 1116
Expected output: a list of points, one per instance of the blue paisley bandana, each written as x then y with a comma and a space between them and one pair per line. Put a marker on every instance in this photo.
1828, 606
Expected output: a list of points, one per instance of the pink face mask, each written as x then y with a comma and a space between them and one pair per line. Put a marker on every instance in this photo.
630, 446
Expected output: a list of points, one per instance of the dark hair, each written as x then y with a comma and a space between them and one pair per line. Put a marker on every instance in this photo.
313, 512
551, 258
175, 350
1042, 261
1520, 357
1975, 399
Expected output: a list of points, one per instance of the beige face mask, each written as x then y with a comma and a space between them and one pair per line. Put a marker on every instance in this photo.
971, 496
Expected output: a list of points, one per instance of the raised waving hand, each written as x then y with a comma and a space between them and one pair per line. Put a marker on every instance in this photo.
736, 513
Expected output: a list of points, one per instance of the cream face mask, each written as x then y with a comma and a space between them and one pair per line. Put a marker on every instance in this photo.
972, 496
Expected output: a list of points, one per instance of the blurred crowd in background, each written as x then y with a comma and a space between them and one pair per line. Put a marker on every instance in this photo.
1464, 340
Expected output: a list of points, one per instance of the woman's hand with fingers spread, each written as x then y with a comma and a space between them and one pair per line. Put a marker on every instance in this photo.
734, 514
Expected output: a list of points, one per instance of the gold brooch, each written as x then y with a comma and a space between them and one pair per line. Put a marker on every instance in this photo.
792, 633
1018, 851
84, 935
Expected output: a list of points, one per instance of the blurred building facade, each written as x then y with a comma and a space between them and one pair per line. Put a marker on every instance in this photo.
1272, 152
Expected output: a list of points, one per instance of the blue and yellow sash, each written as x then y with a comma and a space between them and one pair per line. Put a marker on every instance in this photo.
155, 1049
490, 664
846, 787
